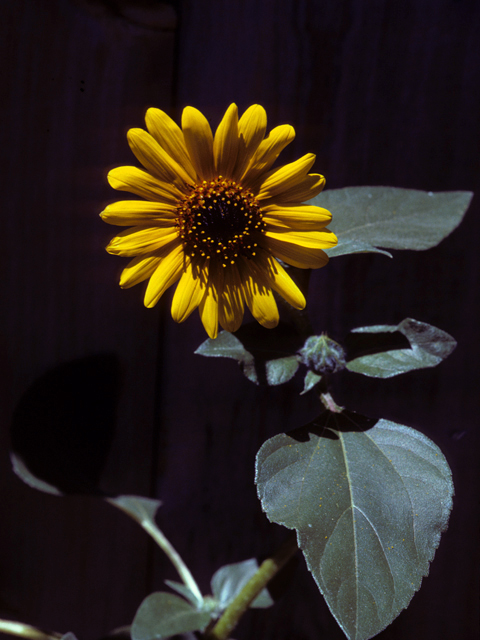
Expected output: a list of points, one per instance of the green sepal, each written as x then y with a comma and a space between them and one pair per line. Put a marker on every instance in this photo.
368, 500
372, 219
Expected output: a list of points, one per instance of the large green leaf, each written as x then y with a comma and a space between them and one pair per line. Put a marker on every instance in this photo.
367, 219
162, 615
368, 503
428, 347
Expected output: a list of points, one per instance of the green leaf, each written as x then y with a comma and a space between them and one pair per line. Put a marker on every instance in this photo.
137, 507
23, 472
229, 580
368, 504
367, 218
184, 591
226, 345
310, 381
162, 615
281, 370
257, 351
428, 347
142, 510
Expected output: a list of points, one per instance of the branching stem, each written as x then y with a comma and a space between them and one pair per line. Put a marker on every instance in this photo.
235, 610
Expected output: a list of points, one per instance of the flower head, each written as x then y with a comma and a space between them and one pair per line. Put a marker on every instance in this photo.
215, 216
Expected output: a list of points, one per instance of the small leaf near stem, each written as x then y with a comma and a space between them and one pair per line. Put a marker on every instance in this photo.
26, 631
235, 610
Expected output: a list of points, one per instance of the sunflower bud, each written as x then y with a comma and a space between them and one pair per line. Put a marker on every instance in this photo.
322, 355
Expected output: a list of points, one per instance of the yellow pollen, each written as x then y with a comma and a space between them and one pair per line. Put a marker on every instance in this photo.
220, 219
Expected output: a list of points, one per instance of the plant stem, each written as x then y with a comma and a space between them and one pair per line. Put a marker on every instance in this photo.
175, 558
26, 631
143, 515
329, 403
235, 610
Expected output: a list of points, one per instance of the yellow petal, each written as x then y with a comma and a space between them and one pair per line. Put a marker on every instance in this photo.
169, 136
251, 131
225, 143
127, 213
143, 184
315, 239
275, 276
209, 310
259, 297
138, 270
305, 190
302, 257
230, 308
155, 159
167, 273
279, 180
267, 152
295, 217
189, 292
199, 142
138, 240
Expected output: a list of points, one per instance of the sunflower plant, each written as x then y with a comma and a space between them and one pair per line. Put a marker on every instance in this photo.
366, 499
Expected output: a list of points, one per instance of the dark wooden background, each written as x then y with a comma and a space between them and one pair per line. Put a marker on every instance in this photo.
385, 93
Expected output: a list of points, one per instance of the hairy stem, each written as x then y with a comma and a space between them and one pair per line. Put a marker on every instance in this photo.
235, 610
329, 403
26, 631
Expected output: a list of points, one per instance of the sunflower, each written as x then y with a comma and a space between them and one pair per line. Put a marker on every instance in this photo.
216, 216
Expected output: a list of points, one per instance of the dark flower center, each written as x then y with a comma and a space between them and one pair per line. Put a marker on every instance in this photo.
220, 219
